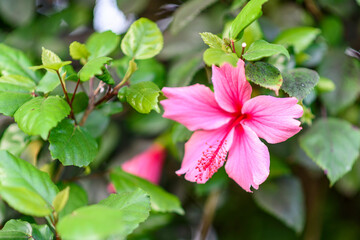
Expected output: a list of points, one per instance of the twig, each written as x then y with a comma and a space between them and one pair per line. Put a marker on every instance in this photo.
233, 46
313, 8
91, 89
72, 116
76, 87
98, 88
89, 109
93, 175
315, 191
209, 212
63, 88
110, 93
243, 45
91, 105
59, 172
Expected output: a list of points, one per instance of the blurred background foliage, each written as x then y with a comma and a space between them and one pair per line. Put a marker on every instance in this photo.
297, 201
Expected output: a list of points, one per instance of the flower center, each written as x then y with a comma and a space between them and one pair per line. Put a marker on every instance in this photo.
215, 155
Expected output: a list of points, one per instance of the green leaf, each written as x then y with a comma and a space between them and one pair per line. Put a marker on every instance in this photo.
325, 85
72, 145
333, 144
278, 168
248, 14
17, 226
180, 133
284, 199
300, 37
332, 29
108, 144
147, 70
18, 229
77, 198
61, 199
217, 183
187, 12
24, 187
80, 101
143, 40
16, 83
161, 200
78, 51
13, 235
48, 83
118, 215
265, 75
143, 96
102, 44
48, 57
16, 172
122, 94
15, 90
152, 124
39, 115
96, 123
131, 69
14, 140
219, 57
182, 72
212, 40
13, 61
50, 61
252, 33
299, 82
10, 102
110, 108
93, 67
42, 232
260, 49
70, 73
344, 72
106, 76
25, 201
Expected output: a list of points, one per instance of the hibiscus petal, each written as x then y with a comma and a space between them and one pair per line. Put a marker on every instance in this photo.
194, 106
272, 118
147, 164
231, 88
205, 153
248, 161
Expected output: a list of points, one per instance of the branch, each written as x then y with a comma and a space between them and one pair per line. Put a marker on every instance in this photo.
72, 116
110, 93
208, 215
76, 87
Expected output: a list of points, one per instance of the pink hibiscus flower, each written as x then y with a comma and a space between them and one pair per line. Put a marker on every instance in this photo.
227, 123
147, 164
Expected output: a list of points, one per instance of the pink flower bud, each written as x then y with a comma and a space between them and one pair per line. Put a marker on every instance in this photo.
147, 164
